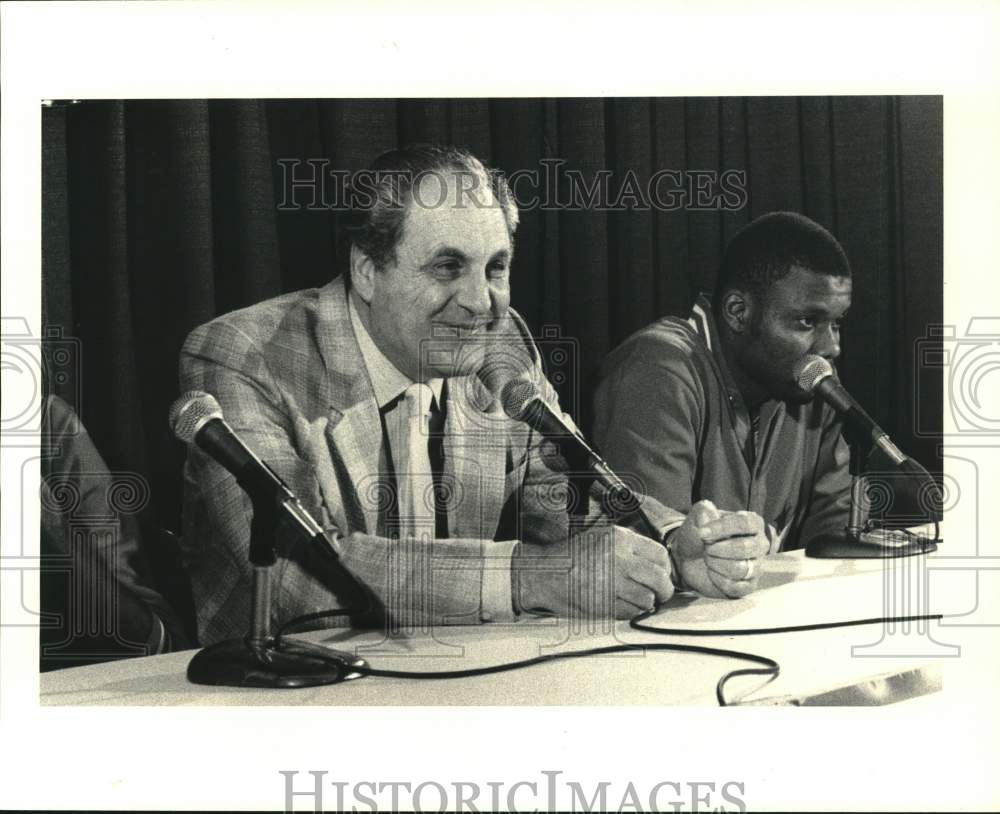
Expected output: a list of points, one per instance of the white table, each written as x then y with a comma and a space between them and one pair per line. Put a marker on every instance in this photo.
868, 664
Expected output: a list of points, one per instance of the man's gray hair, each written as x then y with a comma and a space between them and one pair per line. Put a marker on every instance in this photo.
380, 195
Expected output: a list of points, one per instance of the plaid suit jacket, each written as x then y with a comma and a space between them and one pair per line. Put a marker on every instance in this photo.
289, 375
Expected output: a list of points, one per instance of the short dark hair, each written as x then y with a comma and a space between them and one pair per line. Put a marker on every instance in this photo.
379, 196
766, 249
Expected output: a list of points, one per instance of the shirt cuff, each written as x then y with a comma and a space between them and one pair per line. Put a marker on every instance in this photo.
496, 604
158, 637
775, 538
669, 527
675, 573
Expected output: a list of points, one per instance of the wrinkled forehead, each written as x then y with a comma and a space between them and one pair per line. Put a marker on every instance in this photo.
454, 209
810, 291
453, 186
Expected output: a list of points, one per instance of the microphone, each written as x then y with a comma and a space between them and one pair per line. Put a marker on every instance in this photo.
522, 401
815, 375
197, 417
918, 495
258, 659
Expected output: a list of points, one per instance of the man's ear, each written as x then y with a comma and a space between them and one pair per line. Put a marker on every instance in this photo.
362, 274
737, 310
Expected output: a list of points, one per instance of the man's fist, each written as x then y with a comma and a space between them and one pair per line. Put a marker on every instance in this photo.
602, 572
718, 553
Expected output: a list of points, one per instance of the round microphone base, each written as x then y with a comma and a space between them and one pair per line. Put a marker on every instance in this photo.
246, 663
879, 544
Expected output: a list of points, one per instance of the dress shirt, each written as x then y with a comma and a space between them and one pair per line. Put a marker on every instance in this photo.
389, 385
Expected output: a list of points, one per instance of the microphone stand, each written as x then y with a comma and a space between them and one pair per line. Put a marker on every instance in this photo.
257, 660
859, 540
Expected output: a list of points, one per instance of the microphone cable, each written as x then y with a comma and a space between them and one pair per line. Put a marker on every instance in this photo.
769, 667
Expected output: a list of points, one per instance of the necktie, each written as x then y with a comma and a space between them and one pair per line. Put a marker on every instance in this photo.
436, 452
416, 482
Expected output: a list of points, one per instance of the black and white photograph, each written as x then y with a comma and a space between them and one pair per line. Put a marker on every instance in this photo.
506, 441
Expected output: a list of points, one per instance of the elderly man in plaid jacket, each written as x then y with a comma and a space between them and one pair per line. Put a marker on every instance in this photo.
367, 396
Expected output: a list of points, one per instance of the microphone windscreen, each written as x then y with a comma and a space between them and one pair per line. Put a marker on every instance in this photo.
810, 370
189, 413
516, 395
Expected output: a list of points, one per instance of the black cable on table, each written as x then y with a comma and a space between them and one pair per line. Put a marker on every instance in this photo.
636, 624
771, 668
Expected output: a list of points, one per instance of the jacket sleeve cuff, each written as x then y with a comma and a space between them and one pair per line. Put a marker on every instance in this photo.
496, 603
666, 528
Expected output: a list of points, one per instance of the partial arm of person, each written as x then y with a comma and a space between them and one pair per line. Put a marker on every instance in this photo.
830, 496
112, 564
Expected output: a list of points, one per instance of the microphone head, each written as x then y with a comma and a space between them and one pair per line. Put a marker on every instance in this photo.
190, 412
516, 395
811, 370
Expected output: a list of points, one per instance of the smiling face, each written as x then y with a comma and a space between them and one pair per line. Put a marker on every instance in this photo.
797, 315
430, 310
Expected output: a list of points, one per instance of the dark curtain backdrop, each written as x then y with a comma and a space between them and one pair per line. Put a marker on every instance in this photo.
159, 215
